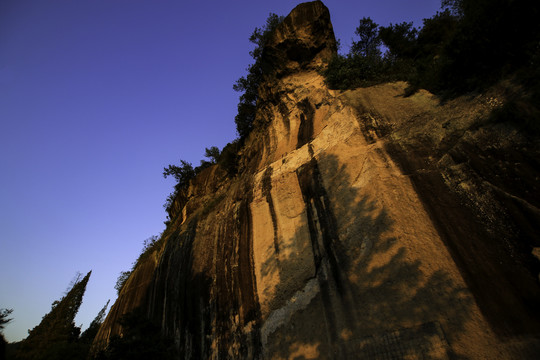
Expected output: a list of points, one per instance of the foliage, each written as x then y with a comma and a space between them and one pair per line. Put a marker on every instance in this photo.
363, 65
56, 337
351, 71
400, 39
169, 200
90, 333
151, 244
204, 165
493, 39
121, 280
469, 45
228, 158
141, 339
428, 55
183, 174
370, 41
212, 153
4, 313
249, 84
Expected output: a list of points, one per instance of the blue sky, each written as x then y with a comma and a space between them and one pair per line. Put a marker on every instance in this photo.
96, 97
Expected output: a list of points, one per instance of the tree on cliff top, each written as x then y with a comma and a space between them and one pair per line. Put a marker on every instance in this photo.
249, 84
183, 174
213, 154
369, 43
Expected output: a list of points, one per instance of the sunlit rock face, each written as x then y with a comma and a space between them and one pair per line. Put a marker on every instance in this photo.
362, 225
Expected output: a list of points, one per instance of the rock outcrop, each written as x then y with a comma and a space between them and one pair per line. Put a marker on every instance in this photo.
362, 224
304, 40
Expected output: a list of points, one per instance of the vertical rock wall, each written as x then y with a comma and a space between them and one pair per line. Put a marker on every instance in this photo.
329, 243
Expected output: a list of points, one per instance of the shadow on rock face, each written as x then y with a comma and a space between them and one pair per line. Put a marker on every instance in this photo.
366, 297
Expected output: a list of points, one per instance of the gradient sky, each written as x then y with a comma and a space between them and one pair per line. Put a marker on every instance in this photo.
96, 97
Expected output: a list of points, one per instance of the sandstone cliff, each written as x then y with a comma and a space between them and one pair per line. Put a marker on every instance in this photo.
362, 224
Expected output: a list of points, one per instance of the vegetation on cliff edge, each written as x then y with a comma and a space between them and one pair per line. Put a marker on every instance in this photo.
249, 84
469, 45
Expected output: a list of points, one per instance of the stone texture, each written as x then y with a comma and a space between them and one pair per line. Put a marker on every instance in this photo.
304, 40
362, 224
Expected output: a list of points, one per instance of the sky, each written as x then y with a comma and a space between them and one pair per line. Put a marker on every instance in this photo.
96, 98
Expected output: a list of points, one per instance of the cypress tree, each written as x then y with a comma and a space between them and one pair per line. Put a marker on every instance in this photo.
56, 336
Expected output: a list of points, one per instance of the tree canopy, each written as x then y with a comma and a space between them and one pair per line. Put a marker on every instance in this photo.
56, 336
468, 45
183, 173
370, 41
4, 313
249, 84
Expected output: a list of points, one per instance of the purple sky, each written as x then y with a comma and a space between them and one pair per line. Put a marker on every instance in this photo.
96, 97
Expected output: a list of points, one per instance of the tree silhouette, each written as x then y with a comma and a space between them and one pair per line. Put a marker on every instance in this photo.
369, 42
56, 335
4, 313
249, 84
89, 334
183, 174
212, 153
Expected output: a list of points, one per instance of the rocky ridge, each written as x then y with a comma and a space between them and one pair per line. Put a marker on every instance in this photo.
362, 224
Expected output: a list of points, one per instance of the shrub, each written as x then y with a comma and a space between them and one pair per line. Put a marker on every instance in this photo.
151, 244
121, 280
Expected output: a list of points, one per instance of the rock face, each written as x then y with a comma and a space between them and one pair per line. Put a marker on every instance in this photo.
362, 224
304, 40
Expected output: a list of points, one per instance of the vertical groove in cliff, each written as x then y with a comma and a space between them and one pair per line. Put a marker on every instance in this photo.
324, 237
183, 311
252, 313
214, 312
305, 130
236, 304
267, 193
321, 221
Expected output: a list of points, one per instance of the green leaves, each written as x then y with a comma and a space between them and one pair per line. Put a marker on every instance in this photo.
249, 84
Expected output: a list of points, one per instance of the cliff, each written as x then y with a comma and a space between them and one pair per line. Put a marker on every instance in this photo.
362, 224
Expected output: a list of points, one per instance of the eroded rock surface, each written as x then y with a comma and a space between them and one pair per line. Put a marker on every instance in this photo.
363, 224
304, 40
